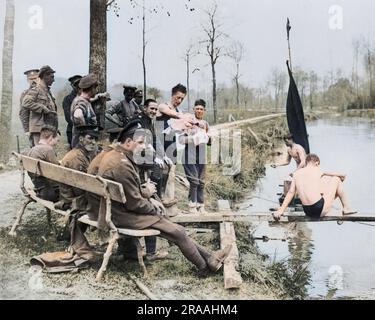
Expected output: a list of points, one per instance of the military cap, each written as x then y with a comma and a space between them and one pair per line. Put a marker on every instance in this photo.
45, 70
130, 129
129, 88
91, 130
74, 79
31, 74
138, 93
88, 81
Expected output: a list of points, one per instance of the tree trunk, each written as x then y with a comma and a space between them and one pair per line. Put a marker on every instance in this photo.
144, 52
237, 85
7, 82
214, 91
188, 79
372, 98
98, 41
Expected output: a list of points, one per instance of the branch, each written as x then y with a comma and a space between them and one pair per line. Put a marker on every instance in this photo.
109, 2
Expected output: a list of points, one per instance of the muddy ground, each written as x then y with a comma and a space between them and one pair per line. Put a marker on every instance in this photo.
174, 278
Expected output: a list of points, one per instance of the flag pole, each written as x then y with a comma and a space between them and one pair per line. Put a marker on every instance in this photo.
288, 27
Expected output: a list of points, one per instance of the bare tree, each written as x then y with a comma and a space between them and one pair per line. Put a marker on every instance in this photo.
355, 78
301, 77
189, 54
214, 49
7, 81
313, 81
277, 82
155, 92
144, 43
236, 52
98, 40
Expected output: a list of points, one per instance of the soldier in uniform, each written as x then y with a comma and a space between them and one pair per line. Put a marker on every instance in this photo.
24, 114
123, 112
41, 104
136, 102
161, 163
43, 150
79, 159
81, 111
67, 103
139, 212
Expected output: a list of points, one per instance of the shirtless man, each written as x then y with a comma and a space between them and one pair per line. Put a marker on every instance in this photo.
317, 190
295, 151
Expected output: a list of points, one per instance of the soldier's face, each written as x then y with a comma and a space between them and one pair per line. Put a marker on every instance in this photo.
138, 99
52, 141
137, 145
177, 98
151, 110
89, 142
49, 79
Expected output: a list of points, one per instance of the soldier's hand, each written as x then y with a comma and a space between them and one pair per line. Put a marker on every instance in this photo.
159, 206
160, 163
168, 161
48, 111
27, 134
148, 189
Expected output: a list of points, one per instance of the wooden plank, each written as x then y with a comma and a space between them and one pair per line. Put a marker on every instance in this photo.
226, 216
72, 178
352, 217
217, 217
232, 278
129, 232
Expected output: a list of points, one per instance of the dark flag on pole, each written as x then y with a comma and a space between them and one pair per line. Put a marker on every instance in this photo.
295, 115
288, 27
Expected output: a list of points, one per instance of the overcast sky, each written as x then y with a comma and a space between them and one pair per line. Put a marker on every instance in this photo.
63, 41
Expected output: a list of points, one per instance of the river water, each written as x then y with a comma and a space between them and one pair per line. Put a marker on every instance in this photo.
340, 258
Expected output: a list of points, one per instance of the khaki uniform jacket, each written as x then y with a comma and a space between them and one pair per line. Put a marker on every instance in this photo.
138, 212
93, 200
76, 159
39, 101
46, 153
24, 113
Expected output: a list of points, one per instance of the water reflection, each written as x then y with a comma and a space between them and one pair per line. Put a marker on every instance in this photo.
345, 145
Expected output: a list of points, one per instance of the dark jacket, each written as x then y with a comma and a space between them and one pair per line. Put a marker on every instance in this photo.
67, 103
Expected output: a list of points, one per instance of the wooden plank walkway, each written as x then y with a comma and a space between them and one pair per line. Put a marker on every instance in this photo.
228, 216
232, 278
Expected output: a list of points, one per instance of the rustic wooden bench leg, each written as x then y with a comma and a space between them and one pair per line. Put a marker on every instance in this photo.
13, 232
140, 256
107, 255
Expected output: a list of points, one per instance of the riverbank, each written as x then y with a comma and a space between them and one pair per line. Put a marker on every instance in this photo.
174, 278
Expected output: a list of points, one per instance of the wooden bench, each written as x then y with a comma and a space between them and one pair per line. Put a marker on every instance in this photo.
108, 190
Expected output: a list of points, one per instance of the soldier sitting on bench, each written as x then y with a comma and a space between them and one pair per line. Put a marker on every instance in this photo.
43, 150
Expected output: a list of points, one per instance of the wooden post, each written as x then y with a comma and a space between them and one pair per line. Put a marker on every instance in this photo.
232, 278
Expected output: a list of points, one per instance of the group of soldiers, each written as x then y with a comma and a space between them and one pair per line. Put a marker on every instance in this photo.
148, 182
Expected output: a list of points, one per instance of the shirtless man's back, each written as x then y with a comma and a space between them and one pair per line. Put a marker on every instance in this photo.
316, 190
